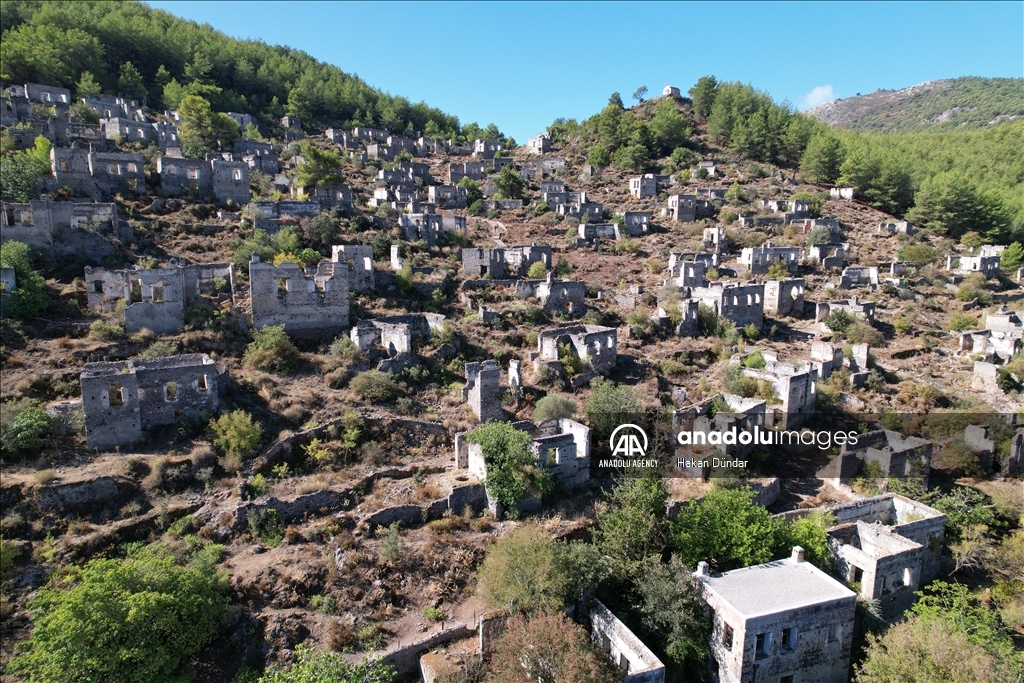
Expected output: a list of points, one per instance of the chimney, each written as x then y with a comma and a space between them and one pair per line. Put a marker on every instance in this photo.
798, 554
702, 570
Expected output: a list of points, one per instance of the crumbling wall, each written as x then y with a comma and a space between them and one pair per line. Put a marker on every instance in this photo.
784, 297
483, 390
305, 304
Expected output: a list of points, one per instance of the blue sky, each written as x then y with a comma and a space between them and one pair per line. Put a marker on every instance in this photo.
521, 65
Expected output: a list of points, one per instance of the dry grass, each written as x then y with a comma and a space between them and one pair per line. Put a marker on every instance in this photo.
44, 477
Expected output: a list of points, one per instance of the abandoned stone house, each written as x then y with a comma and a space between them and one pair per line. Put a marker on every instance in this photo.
986, 264
636, 223
474, 170
808, 224
111, 106
643, 186
896, 455
795, 386
682, 208
561, 445
597, 346
41, 94
306, 304
328, 195
502, 204
714, 238
707, 165
846, 193
483, 390
828, 255
686, 273
760, 259
129, 130
785, 296
155, 298
358, 259
430, 227
896, 228
393, 335
858, 276
740, 303
123, 399
64, 228
555, 295
504, 262
97, 174
999, 341
591, 211
448, 196
8, 283
885, 547
634, 659
709, 258
225, 180
372, 134
269, 215
540, 144
486, 149
591, 232
780, 621
685, 310
382, 152
865, 310
702, 418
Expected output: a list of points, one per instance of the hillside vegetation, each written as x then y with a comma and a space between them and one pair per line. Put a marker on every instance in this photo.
154, 56
948, 104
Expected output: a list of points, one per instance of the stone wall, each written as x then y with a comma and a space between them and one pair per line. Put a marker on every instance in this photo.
306, 304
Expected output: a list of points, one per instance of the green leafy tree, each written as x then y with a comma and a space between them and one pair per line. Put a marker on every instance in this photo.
21, 178
703, 96
29, 295
522, 574
537, 271
319, 166
952, 204
311, 666
610, 405
512, 470
639, 93
135, 620
552, 649
672, 612
87, 86
822, 158
26, 430
553, 407
46, 53
668, 127
473, 192
811, 534
632, 526
599, 156
129, 82
734, 195
509, 183
838, 321
204, 126
236, 433
271, 350
1012, 257
726, 530
918, 253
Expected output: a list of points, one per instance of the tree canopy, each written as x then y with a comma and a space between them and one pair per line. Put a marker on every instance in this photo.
512, 470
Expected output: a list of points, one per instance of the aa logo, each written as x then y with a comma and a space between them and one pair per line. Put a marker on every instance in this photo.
629, 441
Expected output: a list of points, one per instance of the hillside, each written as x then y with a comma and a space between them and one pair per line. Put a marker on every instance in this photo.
948, 104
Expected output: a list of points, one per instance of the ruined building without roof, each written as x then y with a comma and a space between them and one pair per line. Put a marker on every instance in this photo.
306, 304
123, 399
594, 344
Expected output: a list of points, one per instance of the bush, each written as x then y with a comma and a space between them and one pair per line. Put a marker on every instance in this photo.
271, 350
553, 407
512, 471
838, 321
728, 216
918, 254
755, 360
26, 430
521, 573
343, 347
134, 620
29, 295
375, 386
958, 322
311, 666
433, 613
236, 433
537, 271
861, 332
101, 329
160, 349
901, 325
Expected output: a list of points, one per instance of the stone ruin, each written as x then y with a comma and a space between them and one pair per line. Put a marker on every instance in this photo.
795, 385
896, 228
97, 173
897, 455
306, 303
392, 336
8, 283
500, 263
643, 186
865, 310
842, 193
681, 208
430, 227
829, 256
566, 296
760, 259
740, 303
999, 341
858, 276
483, 390
65, 228
827, 358
986, 262
123, 399
155, 298
594, 344
359, 261
784, 297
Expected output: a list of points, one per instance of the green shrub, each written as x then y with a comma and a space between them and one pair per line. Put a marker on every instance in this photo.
26, 430
755, 360
236, 433
271, 350
838, 321
537, 271
958, 322
433, 613
375, 386
343, 347
554, 406
511, 469
29, 295
101, 329
160, 349
861, 332
324, 603
133, 620
901, 325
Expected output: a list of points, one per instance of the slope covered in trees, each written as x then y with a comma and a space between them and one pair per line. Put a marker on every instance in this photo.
151, 55
949, 182
949, 104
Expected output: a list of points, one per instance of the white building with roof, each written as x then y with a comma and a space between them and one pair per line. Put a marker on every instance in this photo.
784, 622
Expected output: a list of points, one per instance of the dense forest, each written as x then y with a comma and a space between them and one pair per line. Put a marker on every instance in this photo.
949, 182
951, 104
151, 55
